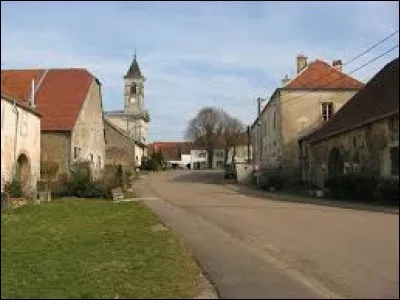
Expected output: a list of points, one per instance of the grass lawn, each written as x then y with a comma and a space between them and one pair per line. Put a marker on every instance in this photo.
91, 249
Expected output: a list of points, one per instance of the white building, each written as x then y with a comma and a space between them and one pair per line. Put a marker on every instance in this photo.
199, 159
20, 143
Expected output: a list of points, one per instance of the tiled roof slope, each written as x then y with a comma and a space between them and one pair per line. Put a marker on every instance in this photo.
379, 98
59, 98
320, 75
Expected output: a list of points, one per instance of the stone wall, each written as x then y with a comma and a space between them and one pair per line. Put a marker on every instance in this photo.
119, 148
365, 150
55, 147
88, 133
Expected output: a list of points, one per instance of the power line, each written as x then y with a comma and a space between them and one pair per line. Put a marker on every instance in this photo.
354, 58
341, 77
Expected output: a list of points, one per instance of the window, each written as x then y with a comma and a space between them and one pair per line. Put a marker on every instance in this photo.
327, 110
354, 142
24, 124
99, 161
275, 120
91, 157
76, 152
220, 154
394, 158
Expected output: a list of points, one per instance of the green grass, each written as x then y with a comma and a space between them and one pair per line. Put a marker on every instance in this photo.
91, 249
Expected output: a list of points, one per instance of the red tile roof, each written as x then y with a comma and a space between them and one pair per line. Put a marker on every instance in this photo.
379, 98
59, 97
320, 75
170, 150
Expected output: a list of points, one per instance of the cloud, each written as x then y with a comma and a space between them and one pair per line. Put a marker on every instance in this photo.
193, 54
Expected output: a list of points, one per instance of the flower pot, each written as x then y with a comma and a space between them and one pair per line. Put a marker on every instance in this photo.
272, 189
319, 193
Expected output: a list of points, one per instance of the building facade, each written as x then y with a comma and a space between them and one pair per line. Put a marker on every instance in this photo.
72, 128
363, 137
20, 143
299, 105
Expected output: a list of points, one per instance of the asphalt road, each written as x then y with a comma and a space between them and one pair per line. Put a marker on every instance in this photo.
256, 247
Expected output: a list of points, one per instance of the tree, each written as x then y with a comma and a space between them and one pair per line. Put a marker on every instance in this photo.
232, 133
205, 130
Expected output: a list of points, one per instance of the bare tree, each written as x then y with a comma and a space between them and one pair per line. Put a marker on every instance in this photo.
205, 130
232, 133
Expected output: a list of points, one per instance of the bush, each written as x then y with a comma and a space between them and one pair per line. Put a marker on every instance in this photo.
13, 188
352, 186
272, 179
81, 185
387, 190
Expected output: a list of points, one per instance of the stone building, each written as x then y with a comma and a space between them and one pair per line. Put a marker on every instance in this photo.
70, 101
20, 141
363, 136
134, 118
305, 102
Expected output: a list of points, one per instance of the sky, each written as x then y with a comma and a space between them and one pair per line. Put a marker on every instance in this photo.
195, 54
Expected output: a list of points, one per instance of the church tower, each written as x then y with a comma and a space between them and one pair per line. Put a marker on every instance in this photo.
134, 109
134, 89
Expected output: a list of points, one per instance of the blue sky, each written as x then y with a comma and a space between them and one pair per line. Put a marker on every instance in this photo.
194, 54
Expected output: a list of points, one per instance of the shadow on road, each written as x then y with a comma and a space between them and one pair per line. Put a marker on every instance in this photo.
216, 177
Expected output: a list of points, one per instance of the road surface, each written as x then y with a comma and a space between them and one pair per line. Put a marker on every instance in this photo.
254, 247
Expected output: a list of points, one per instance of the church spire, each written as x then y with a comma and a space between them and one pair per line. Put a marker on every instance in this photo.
134, 70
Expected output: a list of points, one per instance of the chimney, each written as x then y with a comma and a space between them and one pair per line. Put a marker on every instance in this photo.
33, 93
285, 80
337, 64
301, 62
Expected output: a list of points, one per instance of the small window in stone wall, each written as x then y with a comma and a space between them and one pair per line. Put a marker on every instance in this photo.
91, 157
99, 161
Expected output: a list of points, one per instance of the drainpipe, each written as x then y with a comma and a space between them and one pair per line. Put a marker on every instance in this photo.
15, 109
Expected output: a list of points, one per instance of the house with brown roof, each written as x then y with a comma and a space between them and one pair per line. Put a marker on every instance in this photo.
363, 136
70, 101
176, 154
302, 103
121, 149
20, 142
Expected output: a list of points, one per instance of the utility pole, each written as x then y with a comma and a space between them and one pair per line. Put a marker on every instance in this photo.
248, 144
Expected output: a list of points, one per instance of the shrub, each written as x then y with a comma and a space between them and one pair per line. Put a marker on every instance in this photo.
81, 185
387, 190
272, 179
352, 186
13, 188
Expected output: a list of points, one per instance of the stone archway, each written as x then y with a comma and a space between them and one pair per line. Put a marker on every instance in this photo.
335, 163
23, 173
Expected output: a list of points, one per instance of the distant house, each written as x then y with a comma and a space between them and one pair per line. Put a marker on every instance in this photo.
70, 101
20, 141
363, 136
240, 154
121, 149
302, 103
176, 154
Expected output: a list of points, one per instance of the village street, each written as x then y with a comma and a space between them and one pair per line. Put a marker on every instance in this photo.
252, 246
